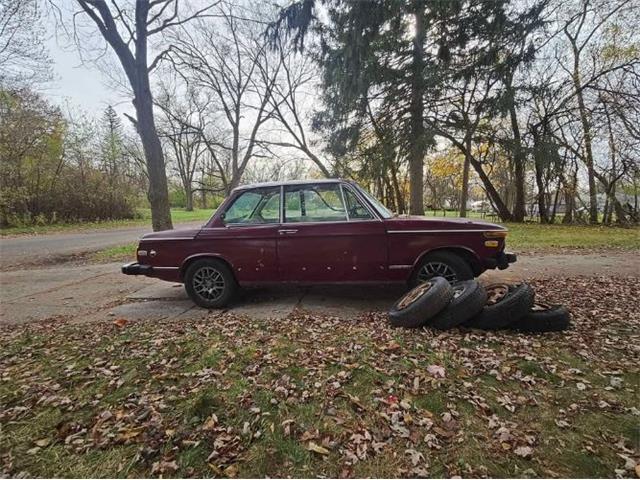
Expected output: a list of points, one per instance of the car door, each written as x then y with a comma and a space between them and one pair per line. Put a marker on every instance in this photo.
319, 243
248, 238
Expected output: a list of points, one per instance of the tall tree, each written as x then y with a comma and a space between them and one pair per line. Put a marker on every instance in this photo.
229, 63
129, 36
392, 55
580, 29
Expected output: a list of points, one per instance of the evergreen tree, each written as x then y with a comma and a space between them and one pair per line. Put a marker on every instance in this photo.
396, 56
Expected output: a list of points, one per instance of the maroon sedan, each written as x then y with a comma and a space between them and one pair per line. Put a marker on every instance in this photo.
319, 231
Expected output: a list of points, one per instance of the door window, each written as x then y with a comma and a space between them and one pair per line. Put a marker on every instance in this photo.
255, 207
314, 203
357, 211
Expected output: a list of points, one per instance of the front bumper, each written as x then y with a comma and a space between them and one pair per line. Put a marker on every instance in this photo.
134, 268
501, 261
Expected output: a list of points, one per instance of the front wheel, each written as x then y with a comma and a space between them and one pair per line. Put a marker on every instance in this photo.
210, 283
448, 265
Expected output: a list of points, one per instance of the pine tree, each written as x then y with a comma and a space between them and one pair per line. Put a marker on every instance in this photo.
397, 56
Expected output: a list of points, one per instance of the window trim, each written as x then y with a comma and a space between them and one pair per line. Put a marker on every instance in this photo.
310, 186
364, 203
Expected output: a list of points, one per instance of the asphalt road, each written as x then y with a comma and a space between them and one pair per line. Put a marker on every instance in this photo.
28, 250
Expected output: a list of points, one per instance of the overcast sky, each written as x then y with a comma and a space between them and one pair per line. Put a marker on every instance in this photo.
80, 86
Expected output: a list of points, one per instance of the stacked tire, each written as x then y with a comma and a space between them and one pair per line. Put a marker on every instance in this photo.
440, 305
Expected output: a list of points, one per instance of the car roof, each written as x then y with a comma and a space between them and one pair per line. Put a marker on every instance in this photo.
290, 182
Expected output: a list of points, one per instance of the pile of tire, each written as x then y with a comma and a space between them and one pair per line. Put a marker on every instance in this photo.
438, 304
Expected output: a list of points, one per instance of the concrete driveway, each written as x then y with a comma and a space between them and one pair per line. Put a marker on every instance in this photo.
29, 250
101, 293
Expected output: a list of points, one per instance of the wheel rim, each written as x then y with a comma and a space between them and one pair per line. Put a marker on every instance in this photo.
458, 290
208, 283
413, 295
437, 269
496, 293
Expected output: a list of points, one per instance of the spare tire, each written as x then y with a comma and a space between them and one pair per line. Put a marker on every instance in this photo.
543, 318
506, 304
469, 297
420, 304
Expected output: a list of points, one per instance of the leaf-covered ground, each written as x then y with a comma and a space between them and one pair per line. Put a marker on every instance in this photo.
311, 396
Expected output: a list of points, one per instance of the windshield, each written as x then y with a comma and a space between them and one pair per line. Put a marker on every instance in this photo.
380, 208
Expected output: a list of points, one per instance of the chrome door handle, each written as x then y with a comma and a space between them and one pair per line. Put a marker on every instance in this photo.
287, 231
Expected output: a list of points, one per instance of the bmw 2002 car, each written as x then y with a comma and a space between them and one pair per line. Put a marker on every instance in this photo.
319, 231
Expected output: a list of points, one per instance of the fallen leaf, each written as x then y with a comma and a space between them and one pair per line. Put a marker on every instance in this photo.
524, 452
313, 447
436, 371
120, 322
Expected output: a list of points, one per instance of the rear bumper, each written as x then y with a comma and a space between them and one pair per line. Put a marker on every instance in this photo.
501, 261
134, 268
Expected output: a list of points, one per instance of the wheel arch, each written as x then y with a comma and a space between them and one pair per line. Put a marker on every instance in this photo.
465, 253
202, 256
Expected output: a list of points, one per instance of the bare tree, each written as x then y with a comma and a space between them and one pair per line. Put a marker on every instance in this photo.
287, 101
580, 30
182, 126
23, 56
229, 61
129, 35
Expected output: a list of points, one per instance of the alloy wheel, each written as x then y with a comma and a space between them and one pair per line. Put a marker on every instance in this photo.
208, 283
436, 269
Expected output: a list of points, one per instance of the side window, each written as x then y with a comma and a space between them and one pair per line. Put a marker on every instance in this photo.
357, 211
314, 203
255, 207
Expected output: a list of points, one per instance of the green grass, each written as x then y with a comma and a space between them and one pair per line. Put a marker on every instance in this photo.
115, 254
178, 215
220, 396
528, 236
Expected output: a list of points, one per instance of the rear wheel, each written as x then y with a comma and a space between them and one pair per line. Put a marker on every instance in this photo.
210, 283
448, 265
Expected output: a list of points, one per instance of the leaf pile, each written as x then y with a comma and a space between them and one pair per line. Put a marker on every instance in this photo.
314, 396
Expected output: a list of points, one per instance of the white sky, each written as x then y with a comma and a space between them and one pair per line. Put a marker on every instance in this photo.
78, 85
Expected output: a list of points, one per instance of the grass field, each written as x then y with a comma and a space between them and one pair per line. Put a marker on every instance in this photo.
178, 215
312, 396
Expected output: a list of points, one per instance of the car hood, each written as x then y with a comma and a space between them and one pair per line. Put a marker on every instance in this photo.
179, 234
414, 222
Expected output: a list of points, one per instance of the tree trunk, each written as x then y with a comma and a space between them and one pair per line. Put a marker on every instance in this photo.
417, 140
586, 130
539, 163
158, 193
569, 199
464, 193
494, 196
396, 189
188, 193
519, 211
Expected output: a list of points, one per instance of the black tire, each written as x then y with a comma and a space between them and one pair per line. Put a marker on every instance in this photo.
221, 279
514, 304
544, 318
420, 304
452, 267
468, 300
